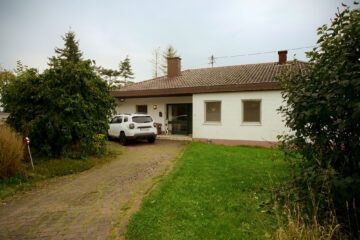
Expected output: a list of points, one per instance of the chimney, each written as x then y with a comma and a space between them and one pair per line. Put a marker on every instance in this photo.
174, 66
282, 56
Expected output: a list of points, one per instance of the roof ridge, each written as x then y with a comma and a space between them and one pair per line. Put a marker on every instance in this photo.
248, 64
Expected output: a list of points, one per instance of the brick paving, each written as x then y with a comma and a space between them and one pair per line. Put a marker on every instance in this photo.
94, 204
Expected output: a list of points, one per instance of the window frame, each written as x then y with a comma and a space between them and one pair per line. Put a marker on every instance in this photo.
135, 117
212, 122
112, 121
121, 119
243, 112
136, 108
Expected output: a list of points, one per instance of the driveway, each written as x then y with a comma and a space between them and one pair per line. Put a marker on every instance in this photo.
95, 204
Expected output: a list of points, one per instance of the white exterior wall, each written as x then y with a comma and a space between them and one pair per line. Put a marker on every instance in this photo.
231, 126
129, 106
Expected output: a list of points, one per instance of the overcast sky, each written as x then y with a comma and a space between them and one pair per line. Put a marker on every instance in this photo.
110, 30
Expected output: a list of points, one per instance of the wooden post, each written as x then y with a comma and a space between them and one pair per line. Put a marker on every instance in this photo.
32, 164
27, 142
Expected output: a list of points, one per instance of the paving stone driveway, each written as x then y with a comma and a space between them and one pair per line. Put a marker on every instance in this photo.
95, 204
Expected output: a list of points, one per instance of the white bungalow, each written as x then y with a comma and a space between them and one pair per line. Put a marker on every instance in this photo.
228, 105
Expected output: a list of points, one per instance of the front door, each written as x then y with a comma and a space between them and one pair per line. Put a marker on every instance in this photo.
179, 118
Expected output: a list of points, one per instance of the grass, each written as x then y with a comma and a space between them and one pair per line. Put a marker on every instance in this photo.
298, 226
213, 192
11, 152
49, 168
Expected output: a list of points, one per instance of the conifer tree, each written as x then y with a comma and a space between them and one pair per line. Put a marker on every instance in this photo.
111, 77
125, 70
170, 52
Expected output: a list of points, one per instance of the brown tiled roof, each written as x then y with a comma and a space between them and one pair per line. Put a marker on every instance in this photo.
218, 79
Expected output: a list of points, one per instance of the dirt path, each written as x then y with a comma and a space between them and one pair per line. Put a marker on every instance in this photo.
94, 204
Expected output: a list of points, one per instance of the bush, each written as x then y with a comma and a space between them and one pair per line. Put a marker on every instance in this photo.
63, 108
323, 111
11, 152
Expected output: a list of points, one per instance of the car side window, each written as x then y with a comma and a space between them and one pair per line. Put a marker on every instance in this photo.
113, 120
119, 120
125, 119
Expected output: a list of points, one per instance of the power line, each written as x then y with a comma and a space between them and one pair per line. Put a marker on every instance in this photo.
212, 59
258, 53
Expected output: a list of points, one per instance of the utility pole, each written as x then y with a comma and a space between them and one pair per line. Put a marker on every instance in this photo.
212, 60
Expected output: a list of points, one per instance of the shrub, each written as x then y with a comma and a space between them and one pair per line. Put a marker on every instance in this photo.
323, 111
11, 152
99, 143
62, 108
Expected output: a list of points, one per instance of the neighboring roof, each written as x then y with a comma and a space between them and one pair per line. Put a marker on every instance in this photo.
218, 79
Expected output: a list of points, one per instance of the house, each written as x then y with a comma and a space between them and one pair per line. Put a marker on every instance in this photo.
228, 105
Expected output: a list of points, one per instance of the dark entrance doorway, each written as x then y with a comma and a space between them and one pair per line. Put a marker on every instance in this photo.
179, 118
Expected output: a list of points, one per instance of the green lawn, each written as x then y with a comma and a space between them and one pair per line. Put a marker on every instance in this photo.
213, 192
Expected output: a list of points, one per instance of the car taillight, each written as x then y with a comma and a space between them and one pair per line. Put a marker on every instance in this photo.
154, 125
131, 126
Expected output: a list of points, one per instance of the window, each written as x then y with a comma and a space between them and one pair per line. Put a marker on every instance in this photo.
116, 120
213, 111
251, 111
125, 119
141, 109
142, 119
113, 120
119, 120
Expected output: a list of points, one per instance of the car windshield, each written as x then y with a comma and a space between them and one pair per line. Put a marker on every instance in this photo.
142, 119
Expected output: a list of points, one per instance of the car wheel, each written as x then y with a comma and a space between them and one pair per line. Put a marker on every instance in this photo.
151, 140
123, 140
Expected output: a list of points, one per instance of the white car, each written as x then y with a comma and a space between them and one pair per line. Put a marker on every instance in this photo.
132, 126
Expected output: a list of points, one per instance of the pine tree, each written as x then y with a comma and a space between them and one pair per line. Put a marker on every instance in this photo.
125, 70
71, 51
170, 52
110, 76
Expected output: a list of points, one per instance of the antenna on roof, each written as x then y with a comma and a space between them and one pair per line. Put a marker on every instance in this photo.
212, 60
